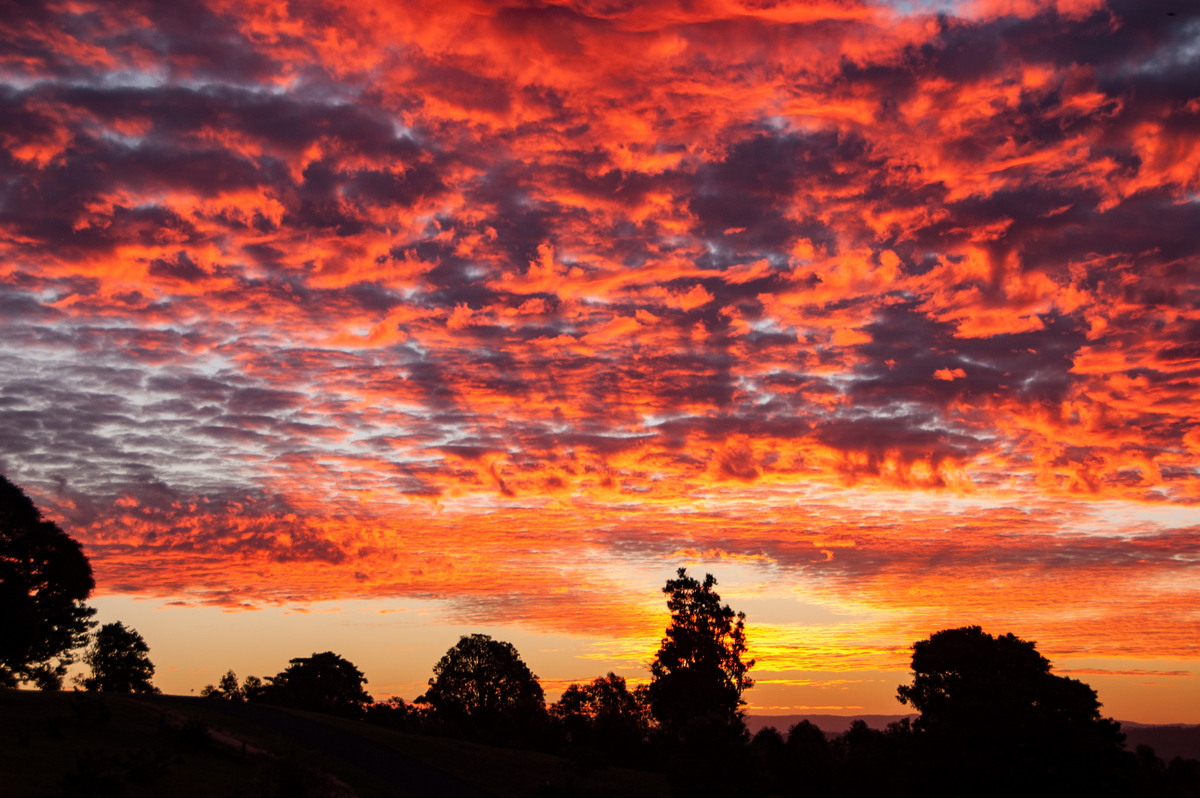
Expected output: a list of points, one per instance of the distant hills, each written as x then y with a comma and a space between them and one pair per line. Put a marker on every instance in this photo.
830, 724
1167, 740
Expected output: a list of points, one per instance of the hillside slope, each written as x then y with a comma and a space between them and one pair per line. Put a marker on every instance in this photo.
56, 744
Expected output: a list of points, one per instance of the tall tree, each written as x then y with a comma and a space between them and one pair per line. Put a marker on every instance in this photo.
991, 705
120, 661
700, 668
44, 580
482, 686
324, 682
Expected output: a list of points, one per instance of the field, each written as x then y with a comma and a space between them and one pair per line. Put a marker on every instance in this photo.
80, 744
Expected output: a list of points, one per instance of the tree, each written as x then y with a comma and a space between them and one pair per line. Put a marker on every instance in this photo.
44, 580
991, 705
482, 687
769, 754
604, 715
227, 688
253, 688
119, 660
699, 668
324, 682
395, 713
810, 761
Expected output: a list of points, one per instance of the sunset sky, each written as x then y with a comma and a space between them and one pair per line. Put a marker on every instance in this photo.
360, 326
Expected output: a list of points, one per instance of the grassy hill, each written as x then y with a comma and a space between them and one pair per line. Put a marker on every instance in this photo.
79, 744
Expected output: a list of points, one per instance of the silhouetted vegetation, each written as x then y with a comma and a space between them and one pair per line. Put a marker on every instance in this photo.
605, 718
44, 580
226, 688
483, 689
119, 660
994, 720
992, 700
698, 670
324, 682
396, 713
695, 692
808, 762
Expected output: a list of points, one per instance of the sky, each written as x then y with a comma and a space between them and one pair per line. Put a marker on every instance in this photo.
360, 326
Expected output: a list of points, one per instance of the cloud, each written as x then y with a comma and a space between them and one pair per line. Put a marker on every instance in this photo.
315, 300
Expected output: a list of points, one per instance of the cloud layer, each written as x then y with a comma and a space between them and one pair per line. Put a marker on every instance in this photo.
502, 301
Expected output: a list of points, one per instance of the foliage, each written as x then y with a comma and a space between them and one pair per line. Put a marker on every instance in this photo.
991, 704
810, 760
324, 682
699, 669
226, 688
875, 762
769, 753
253, 688
710, 758
120, 661
395, 713
44, 580
482, 685
604, 715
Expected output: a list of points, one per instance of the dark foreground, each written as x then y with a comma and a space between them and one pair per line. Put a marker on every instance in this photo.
71, 744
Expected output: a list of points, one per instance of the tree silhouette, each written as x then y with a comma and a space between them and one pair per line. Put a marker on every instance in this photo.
324, 682
395, 713
810, 761
482, 687
227, 688
770, 756
119, 660
991, 705
709, 757
699, 668
604, 715
253, 688
44, 580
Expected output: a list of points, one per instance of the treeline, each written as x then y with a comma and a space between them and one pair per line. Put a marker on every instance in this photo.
993, 720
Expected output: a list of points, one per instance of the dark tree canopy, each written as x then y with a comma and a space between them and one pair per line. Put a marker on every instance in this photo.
699, 669
604, 715
324, 682
396, 713
964, 676
44, 580
991, 704
120, 661
483, 684
605, 700
253, 688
